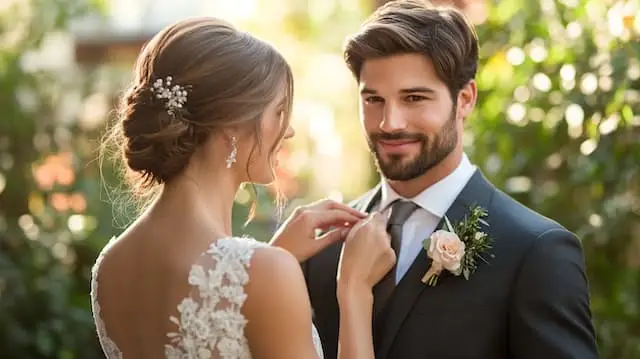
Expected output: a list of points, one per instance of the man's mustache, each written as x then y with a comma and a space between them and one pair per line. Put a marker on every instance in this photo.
396, 136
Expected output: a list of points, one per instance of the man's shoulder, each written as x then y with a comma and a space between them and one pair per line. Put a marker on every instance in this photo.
518, 218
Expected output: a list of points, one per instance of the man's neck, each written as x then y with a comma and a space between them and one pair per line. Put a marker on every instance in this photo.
413, 187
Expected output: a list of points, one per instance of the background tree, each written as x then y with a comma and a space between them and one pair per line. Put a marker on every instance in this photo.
46, 189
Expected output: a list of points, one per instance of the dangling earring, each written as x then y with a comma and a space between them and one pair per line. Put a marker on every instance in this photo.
234, 151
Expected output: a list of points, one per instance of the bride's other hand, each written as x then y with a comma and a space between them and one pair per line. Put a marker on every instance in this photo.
366, 256
298, 233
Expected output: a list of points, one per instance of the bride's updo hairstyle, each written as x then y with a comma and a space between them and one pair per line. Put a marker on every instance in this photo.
208, 76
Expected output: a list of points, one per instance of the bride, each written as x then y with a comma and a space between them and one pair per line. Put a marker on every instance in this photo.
209, 109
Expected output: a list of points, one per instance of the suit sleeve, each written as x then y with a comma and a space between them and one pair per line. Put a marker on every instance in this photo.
550, 314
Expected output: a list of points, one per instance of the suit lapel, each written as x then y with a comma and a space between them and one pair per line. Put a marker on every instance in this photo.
477, 192
366, 203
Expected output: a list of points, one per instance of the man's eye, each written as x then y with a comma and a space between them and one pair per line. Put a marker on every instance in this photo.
373, 99
415, 98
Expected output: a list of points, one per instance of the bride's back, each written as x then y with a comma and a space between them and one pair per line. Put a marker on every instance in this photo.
139, 280
159, 291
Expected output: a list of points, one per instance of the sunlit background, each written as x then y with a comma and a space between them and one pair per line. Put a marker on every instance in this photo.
557, 126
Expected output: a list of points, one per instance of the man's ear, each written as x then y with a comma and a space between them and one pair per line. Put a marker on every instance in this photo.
467, 99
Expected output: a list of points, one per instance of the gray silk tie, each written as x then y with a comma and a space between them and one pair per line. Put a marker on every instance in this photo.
400, 212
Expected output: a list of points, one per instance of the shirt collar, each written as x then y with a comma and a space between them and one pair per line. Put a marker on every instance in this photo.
438, 197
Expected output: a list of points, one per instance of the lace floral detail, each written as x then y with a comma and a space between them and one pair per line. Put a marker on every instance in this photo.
109, 347
210, 322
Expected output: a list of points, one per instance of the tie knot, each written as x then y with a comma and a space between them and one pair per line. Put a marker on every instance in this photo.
400, 211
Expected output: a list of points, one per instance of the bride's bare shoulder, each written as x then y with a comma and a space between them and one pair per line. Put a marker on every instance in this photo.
274, 273
277, 306
273, 265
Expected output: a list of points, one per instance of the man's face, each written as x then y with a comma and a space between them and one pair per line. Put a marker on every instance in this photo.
410, 120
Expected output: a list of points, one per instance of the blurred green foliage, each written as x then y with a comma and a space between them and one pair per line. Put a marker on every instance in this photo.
44, 252
557, 126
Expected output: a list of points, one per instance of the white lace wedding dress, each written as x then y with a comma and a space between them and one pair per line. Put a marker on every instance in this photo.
209, 322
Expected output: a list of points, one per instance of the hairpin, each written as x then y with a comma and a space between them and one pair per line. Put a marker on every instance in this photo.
175, 96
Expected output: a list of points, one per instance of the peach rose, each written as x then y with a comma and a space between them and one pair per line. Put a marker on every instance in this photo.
446, 250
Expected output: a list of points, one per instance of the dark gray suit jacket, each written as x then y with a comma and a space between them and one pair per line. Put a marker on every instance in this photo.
529, 302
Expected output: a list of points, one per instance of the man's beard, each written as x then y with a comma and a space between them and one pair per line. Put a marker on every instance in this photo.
432, 151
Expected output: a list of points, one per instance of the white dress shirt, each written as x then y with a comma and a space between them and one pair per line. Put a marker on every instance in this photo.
433, 203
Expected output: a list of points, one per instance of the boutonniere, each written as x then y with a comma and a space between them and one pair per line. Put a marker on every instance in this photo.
457, 248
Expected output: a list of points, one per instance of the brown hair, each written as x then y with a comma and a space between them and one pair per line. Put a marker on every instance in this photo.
230, 77
442, 34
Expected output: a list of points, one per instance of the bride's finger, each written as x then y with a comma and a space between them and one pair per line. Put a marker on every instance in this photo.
330, 218
346, 208
331, 236
379, 218
327, 204
359, 225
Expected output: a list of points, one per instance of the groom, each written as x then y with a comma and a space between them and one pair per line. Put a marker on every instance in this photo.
415, 66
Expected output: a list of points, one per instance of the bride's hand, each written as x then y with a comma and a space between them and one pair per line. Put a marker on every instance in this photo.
366, 256
298, 233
